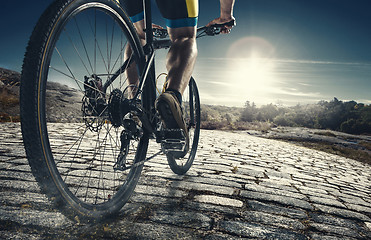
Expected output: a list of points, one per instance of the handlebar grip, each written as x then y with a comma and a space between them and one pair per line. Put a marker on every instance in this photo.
229, 24
216, 29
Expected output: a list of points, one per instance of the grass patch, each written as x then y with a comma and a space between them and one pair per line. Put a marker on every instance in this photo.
225, 125
327, 133
366, 145
355, 154
9, 105
4, 117
7, 99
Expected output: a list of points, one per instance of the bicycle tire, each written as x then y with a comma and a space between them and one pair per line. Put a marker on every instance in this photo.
191, 97
81, 181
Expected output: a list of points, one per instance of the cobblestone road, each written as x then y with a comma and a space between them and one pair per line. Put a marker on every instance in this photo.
240, 186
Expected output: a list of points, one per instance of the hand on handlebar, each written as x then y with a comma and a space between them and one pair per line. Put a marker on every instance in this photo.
225, 24
157, 26
215, 27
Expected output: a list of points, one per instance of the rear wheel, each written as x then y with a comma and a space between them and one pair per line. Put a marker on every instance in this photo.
192, 117
79, 149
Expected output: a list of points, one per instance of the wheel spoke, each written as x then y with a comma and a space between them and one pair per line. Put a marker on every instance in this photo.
77, 51
76, 80
112, 36
73, 144
119, 57
94, 31
83, 50
65, 63
74, 156
83, 43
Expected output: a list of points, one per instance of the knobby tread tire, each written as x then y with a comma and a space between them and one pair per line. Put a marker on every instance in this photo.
33, 121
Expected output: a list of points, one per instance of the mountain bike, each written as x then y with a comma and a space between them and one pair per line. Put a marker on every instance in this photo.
87, 132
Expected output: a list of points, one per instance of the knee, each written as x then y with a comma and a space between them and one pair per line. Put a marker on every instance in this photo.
184, 43
182, 34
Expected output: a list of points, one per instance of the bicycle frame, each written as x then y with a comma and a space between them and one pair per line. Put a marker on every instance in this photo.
147, 82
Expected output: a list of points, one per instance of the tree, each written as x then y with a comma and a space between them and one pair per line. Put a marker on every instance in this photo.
248, 114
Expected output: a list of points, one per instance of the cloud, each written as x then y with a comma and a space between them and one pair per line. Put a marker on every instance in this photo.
302, 61
364, 101
218, 83
296, 92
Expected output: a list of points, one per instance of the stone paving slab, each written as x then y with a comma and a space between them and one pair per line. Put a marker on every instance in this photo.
240, 187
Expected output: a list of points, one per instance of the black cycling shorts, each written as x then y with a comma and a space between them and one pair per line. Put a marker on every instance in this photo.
178, 13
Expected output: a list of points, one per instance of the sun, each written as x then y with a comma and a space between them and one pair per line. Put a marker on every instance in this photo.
253, 76
251, 67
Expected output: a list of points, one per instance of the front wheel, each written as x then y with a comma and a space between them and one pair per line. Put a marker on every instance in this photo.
192, 116
83, 158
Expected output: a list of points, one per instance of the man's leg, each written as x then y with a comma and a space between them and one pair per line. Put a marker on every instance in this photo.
132, 72
181, 57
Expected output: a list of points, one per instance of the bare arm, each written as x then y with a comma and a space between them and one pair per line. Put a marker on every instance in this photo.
226, 15
226, 9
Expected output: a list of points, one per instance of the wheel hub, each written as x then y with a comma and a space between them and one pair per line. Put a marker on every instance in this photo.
118, 107
93, 103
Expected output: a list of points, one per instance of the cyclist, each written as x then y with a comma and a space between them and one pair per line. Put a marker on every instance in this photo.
181, 20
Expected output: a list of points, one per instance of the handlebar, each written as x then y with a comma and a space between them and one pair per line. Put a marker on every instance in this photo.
214, 29
201, 31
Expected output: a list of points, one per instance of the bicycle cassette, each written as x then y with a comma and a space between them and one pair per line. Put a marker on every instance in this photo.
118, 107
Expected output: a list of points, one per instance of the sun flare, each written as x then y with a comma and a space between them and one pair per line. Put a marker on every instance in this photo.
253, 76
251, 67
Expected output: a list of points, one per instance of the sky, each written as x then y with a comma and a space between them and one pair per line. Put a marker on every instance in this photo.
281, 51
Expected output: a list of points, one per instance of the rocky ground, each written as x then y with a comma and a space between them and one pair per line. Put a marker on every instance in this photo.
357, 147
240, 186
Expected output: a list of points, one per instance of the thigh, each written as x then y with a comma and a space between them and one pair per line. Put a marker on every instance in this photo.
134, 8
179, 13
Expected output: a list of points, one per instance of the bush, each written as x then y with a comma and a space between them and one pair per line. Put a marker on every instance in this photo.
283, 120
4, 117
7, 99
348, 126
350, 117
214, 125
355, 126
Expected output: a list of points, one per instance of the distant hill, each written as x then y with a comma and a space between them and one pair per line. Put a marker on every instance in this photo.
59, 99
9, 77
64, 103
9, 95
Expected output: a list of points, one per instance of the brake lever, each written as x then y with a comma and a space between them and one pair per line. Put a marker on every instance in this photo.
231, 23
216, 29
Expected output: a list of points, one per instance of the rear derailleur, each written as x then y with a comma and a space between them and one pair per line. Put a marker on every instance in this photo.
122, 112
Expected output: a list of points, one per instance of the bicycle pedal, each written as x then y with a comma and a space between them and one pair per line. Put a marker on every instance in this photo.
173, 146
173, 141
173, 134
